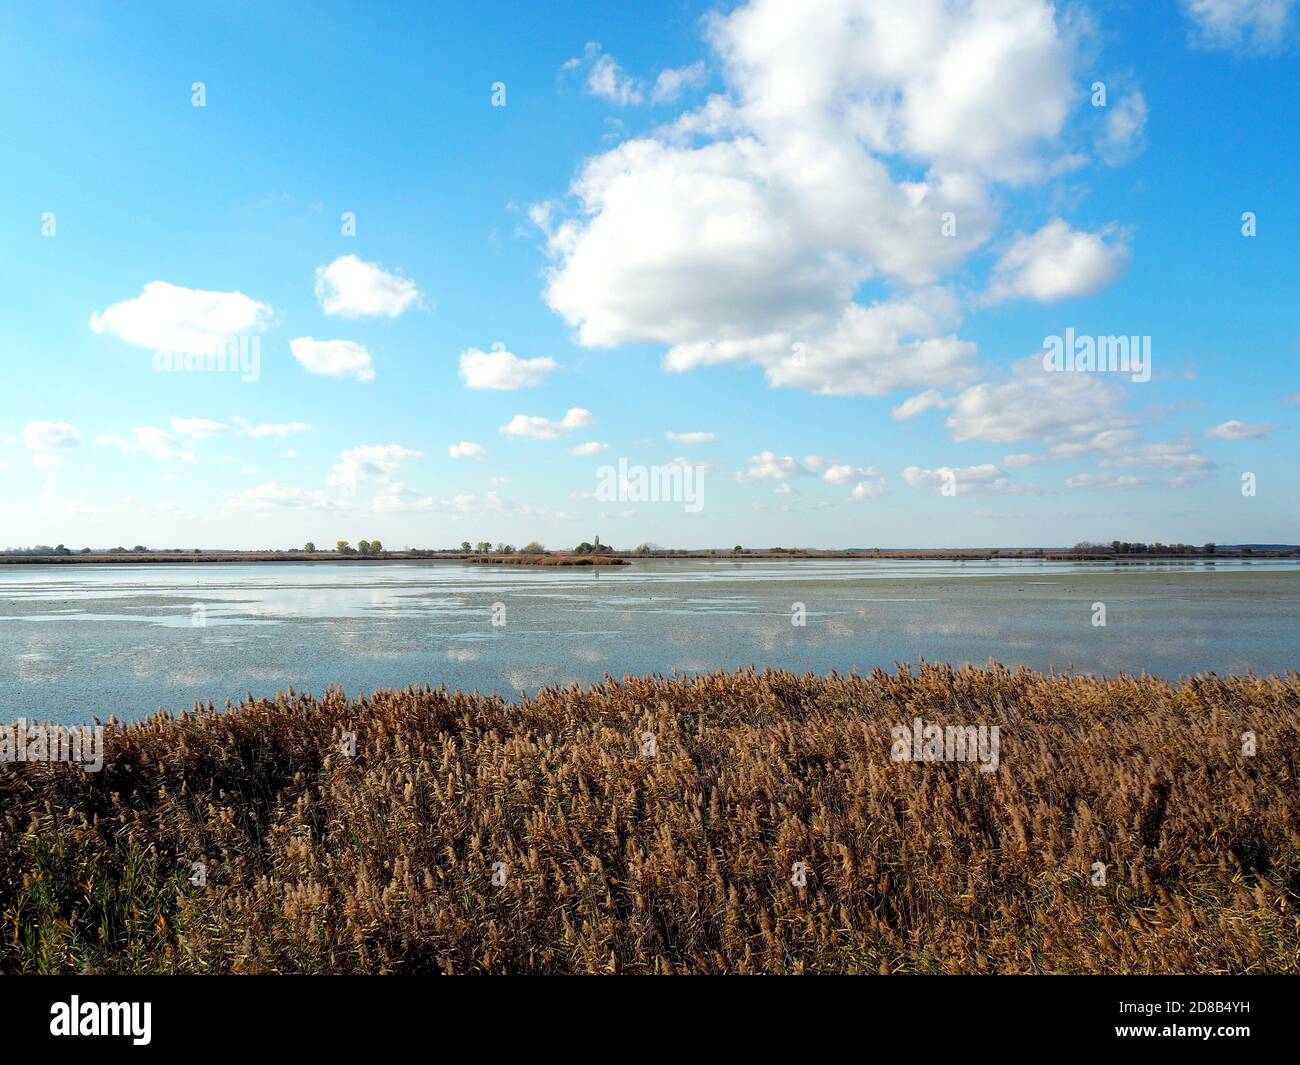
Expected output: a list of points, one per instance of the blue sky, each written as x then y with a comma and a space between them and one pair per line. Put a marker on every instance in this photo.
824, 251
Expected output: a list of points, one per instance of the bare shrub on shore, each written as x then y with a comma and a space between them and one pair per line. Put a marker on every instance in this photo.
469, 834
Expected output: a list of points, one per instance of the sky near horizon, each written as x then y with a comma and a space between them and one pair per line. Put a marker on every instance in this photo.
811, 251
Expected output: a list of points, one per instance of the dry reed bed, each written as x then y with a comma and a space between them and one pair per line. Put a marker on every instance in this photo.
681, 862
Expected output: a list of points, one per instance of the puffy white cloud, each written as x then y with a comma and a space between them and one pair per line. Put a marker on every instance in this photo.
592, 447
467, 449
273, 496
767, 466
149, 441
374, 462
1035, 403
690, 439
1242, 25
750, 225
333, 358
1058, 262
872, 488
947, 480
707, 249
534, 428
870, 481
502, 370
841, 473
353, 288
1238, 430
962, 86
869, 351
167, 317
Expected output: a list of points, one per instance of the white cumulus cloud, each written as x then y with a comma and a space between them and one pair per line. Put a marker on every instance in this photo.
502, 370
534, 428
1034, 403
1058, 262
166, 317
467, 449
333, 358
750, 225
353, 288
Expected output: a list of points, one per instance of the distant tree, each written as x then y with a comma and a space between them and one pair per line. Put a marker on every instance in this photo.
583, 548
738, 550
343, 548
309, 547
139, 548
534, 548
483, 547
85, 550
1208, 549
376, 547
464, 546
363, 547
505, 549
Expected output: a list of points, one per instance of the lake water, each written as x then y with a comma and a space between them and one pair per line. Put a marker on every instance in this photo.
82, 641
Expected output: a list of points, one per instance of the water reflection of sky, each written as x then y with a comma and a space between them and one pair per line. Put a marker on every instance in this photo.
122, 639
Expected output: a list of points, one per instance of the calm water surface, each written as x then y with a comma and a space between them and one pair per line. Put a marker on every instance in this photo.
82, 641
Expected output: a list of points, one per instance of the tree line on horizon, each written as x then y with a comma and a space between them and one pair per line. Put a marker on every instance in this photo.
375, 548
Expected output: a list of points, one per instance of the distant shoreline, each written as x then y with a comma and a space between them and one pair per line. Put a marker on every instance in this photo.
568, 558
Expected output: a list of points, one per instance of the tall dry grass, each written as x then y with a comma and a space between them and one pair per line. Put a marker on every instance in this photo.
617, 862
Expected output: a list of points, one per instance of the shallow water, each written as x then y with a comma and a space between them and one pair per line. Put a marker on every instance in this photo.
82, 641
